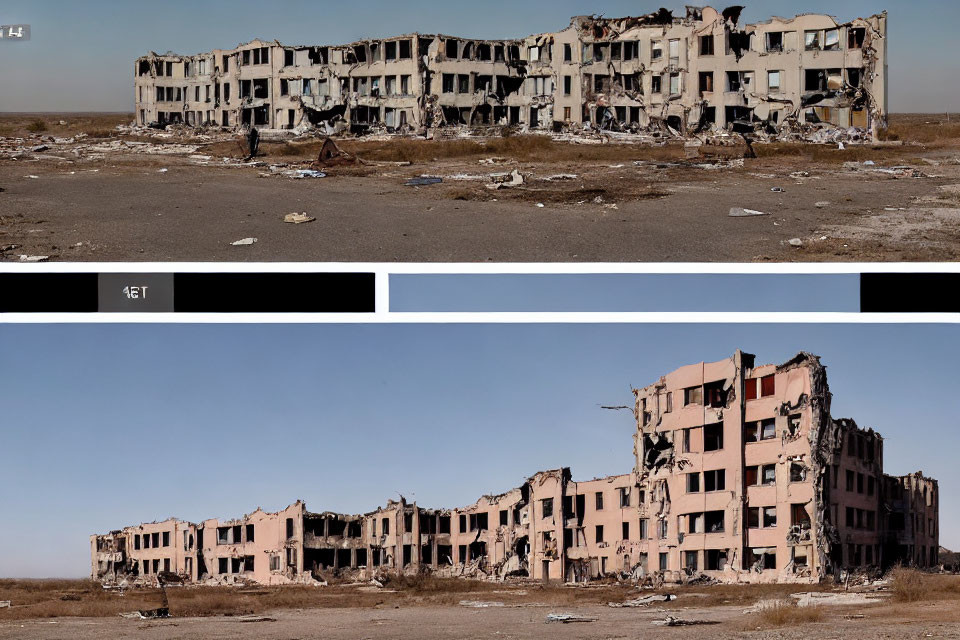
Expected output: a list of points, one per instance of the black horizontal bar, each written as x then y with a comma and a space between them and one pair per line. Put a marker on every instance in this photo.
274, 293
910, 293
48, 292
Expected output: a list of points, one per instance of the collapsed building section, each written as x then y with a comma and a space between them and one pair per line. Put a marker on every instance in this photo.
742, 475
750, 479
673, 75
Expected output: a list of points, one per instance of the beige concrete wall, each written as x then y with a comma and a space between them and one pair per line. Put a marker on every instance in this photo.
595, 81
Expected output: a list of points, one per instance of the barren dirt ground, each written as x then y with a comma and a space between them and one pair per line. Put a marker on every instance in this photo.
124, 207
426, 623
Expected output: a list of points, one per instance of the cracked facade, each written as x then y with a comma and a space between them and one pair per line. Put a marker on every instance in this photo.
674, 75
741, 475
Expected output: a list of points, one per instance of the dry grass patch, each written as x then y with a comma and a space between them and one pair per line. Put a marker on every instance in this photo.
910, 585
789, 614
15, 125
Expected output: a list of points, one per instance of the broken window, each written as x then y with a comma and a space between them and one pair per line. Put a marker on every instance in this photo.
811, 40
753, 517
656, 84
643, 530
769, 517
664, 564
599, 534
452, 48
674, 52
669, 407
449, 82
261, 88
288, 57
713, 437
774, 42
155, 540
390, 51
714, 521
716, 559
693, 483
798, 472
690, 560
831, 40
166, 538
733, 81
773, 80
625, 497
762, 430
706, 45
693, 395
714, 480
695, 523
546, 508
675, 84
223, 565
768, 474
656, 50
686, 441
463, 83
662, 529
761, 559
856, 37
169, 66
599, 501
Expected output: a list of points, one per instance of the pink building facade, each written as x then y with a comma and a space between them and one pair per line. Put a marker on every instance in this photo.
741, 475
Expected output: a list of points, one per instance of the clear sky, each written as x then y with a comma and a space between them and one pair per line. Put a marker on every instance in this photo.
108, 426
81, 54
625, 293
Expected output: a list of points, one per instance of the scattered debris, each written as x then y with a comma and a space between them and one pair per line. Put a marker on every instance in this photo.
540, 205
796, 242
822, 205
299, 174
256, 619
738, 212
672, 621
298, 218
778, 190
162, 170
506, 180
563, 176
643, 602
149, 614
423, 181
479, 604
568, 618
32, 177
815, 599
245, 242
4, 604
34, 258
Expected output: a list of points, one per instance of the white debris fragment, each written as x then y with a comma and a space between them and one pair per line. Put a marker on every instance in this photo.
822, 205
479, 604
540, 205
34, 258
245, 242
298, 218
796, 242
739, 212
32, 177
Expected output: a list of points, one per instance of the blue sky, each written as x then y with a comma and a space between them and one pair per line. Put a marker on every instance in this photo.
107, 426
81, 53
625, 293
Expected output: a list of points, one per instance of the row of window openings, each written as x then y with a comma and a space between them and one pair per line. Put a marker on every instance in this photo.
861, 519
146, 566
756, 431
823, 40
856, 482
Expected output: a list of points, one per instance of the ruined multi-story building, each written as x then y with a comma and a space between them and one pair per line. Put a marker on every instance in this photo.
670, 74
741, 475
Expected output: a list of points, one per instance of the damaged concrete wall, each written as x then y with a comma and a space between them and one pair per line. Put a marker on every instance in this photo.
671, 75
741, 475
